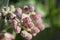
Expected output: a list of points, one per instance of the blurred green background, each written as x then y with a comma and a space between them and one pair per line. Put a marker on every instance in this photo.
50, 10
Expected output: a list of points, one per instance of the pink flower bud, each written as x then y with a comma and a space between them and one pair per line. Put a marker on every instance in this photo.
25, 7
14, 22
24, 33
34, 31
27, 20
17, 29
31, 8
36, 16
40, 26
24, 15
19, 12
30, 25
29, 36
9, 36
12, 15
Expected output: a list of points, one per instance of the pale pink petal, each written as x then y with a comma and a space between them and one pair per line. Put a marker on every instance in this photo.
17, 29
36, 17
31, 8
9, 36
12, 15
14, 22
27, 20
19, 12
30, 25
41, 26
29, 37
35, 30
24, 33
25, 7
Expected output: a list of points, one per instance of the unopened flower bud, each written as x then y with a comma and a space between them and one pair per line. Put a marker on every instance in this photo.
12, 8
25, 7
4, 10
30, 25
36, 16
24, 15
34, 31
9, 36
17, 29
24, 33
14, 22
19, 12
29, 36
40, 26
27, 20
31, 8
12, 16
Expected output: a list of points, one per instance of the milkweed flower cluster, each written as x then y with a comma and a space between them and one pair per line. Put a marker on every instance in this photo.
24, 20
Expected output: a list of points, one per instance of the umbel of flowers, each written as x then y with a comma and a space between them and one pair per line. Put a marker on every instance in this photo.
24, 20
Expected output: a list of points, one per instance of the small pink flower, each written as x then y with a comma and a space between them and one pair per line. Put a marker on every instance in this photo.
17, 29
27, 20
31, 8
24, 33
34, 31
40, 26
9, 36
19, 12
29, 36
12, 15
30, 25
25, 7
14, 22
36, 16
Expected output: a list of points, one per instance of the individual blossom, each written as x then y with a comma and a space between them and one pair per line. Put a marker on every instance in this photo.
12, 8
9, 36
25, 9
31, 25
36, 16
41, 26
34, 31
31, 8
4, 10
27, 20
24, 15
29, 36
17, 29
14, 23
26, 35
19, 12
12, 16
